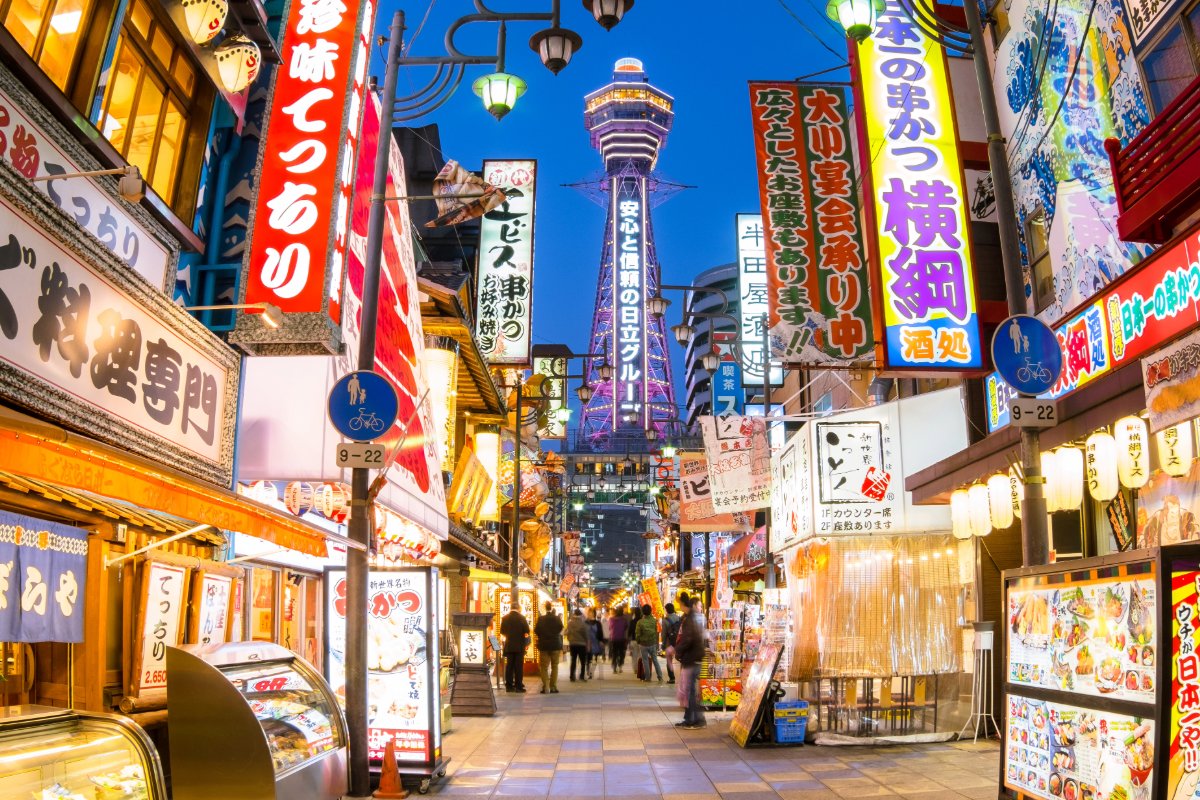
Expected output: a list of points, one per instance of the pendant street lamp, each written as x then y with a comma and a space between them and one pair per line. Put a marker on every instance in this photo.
651, 434
585, 393
857, 17
683, 333
657, 305
499, 92
605, 371
711, 361
608, 12
555, 46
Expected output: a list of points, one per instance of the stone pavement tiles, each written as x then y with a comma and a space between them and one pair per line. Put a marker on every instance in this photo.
615, 737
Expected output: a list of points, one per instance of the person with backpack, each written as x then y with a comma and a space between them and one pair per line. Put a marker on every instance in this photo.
647, 639
689, 649
670, 632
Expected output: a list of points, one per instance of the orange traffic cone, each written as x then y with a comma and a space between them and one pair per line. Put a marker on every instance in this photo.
390, 787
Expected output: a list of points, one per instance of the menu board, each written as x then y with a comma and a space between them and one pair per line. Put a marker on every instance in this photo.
1093, 637
746, 718
1056, 751
402, 661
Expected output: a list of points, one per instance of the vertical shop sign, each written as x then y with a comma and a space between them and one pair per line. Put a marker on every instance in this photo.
1184, 755
505, 301
161, 615
629, 299
753, 307
739, 462
43, 577
727, 392
298, 238
816, 268
554, 389
791, 496
212, 595
927, 299
402, 658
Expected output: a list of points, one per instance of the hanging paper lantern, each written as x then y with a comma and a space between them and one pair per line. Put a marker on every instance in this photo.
1133, 452
204, 18
1101, 462
298, 497
238, 62
979, 510
1068, 478
262, 491
333, 501
1000, 501
960, 514
1016, 491
1175, 449
1049, 472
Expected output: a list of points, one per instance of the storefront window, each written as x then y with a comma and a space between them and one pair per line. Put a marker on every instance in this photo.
50, 31
1173, 62
262, 604
153, 106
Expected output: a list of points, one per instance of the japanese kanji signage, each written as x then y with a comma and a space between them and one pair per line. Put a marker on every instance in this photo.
753, 307
505, 307
629, 298
1144, 16
43, 574
728, 396
817, 276
1184, 757
33, 154
554, 390
470, 647
299, 228
162, 595
1171, 377
919, 204
696, 511
71, 331
739, 462
1153, 303
791, 492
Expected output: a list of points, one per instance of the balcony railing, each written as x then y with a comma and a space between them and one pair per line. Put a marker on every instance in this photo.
1157, 175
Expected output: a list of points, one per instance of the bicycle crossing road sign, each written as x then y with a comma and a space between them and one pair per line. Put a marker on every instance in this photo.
1026, 353
363, 405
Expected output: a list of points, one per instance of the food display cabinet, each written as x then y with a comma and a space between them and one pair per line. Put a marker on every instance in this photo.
55, 754
254, 721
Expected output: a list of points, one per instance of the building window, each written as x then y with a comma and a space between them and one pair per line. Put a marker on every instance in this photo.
50, 31
1173, 61
1038, 247
155, 110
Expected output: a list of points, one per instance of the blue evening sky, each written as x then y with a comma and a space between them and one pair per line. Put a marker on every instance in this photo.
702, 52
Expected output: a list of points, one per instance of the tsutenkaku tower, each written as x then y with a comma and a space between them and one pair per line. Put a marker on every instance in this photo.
628, 121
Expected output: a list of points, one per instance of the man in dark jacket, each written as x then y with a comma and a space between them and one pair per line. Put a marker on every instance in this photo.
549, 630
670, 632
689, 649
515, 631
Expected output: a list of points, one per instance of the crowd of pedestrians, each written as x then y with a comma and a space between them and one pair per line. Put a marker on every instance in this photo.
681, 638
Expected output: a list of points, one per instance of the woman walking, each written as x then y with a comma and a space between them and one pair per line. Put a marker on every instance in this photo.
577, 640
596, 641
620, 629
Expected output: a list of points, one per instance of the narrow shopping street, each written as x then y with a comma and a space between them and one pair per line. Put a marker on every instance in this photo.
614, 737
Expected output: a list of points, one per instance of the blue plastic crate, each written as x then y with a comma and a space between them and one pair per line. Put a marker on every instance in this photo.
790, 731
791, 709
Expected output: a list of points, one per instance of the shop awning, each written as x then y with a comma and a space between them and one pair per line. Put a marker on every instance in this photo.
748, 553
53, 456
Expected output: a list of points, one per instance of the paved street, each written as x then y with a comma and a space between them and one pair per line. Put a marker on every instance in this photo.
615, 738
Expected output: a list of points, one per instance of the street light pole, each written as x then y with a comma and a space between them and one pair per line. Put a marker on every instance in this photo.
769, 558
514, 562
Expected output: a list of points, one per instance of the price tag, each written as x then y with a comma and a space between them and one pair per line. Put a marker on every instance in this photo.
361, 455
1030, 412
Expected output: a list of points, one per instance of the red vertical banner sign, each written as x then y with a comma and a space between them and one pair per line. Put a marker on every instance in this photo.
816, 266
298, 238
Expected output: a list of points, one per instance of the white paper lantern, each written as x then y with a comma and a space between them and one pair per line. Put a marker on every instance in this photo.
1101, 466
298, 497
979, 510
1068, 478
1133, 452
1000, 504
204, 18
960, 514
1016, 491
263, 492
487, 450
1175, 451
238, 62
1049, 472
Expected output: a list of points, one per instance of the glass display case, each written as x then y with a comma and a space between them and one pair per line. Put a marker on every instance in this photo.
51, 753
260, 707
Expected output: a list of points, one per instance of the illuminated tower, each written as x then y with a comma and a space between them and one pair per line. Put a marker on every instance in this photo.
628, 121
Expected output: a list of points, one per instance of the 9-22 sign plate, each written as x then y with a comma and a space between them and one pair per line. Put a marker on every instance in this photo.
361, 455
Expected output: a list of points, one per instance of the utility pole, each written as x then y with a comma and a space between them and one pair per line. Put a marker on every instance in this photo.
768, 557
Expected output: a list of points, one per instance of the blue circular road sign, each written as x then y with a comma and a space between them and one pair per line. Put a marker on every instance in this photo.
1026, 354
363, 405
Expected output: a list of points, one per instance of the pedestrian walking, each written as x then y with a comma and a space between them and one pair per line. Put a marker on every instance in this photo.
549, 630
635, 650
515, 631
577, 640
619, 625
689, 649
670, 633
646, 634
596, 642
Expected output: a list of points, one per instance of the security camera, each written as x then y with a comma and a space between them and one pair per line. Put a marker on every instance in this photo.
130, 186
